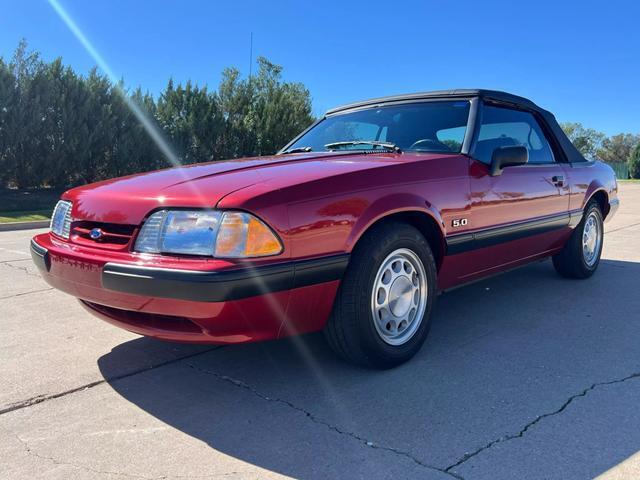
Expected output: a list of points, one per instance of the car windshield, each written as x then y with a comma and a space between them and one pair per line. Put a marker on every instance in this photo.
434, 126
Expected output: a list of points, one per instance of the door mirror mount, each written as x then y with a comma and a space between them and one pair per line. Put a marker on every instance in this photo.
508, 157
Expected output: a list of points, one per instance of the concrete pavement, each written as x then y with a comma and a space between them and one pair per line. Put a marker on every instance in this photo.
525, 375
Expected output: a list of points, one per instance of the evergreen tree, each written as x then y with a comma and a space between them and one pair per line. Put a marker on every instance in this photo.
60, 129
634, 162
23, 122
618, 148
8, 101
586, 140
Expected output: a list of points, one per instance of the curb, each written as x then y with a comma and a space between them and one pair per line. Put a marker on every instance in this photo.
8, 227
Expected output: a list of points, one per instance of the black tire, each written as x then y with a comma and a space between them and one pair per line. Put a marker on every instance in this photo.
350, 330
570, 262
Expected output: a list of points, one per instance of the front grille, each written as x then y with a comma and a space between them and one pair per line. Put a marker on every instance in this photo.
113, 236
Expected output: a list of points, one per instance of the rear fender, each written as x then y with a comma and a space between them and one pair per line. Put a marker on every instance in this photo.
595, 187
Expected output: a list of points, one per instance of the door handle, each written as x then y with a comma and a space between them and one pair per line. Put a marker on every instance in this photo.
557, 180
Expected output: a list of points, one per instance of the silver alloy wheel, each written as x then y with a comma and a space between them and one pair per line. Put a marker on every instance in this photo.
399, 297
591, 239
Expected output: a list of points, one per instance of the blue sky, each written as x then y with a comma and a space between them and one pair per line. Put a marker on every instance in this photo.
581, 60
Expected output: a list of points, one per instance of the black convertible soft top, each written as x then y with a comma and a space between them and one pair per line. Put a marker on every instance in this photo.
571, 153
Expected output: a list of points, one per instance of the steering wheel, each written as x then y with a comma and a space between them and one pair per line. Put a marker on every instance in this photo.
430, 144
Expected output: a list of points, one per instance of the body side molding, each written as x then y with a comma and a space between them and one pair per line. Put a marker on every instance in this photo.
465, 242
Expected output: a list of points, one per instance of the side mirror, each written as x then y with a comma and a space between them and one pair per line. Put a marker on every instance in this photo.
508, 157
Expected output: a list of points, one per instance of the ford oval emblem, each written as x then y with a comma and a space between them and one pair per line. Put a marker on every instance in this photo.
96, 233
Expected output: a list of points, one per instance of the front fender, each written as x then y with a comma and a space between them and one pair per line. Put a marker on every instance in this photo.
389, 205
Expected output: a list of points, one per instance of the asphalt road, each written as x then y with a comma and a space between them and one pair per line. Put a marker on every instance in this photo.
525, 375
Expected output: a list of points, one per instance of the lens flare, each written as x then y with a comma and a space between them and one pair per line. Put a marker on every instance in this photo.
153, 131
308, 357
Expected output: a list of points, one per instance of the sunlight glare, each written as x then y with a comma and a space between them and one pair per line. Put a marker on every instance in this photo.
156, 134
148, 124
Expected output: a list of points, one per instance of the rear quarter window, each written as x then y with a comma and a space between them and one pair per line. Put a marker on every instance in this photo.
504, 127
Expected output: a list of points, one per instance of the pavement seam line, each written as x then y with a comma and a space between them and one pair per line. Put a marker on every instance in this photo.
43, 398
16, 260
539, 418
367, 443
30, 451
26, 293
24, 269
622, 228
57, 462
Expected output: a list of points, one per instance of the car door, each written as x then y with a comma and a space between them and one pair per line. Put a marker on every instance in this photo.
522, 212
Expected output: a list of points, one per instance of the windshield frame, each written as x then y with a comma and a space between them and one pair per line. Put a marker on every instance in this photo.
469, 135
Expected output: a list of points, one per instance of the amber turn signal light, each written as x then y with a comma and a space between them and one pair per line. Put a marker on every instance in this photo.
242, 235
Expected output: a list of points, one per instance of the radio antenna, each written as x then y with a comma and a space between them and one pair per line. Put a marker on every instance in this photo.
250, 54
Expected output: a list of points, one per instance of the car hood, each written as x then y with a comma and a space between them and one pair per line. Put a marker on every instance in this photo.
128, 200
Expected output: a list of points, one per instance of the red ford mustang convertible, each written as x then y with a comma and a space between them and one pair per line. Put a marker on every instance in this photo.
353, 228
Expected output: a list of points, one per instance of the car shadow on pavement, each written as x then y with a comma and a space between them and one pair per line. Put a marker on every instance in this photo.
525, 372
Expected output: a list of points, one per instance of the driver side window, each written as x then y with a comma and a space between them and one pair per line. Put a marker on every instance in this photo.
503, 127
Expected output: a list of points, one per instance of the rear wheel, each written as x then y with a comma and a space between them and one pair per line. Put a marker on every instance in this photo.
381, 314
581, 255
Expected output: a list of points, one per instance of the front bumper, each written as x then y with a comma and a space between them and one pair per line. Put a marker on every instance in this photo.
40, 256
205, 302
221, 286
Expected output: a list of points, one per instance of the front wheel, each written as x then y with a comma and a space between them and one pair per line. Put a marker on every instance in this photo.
381, 313
581, 255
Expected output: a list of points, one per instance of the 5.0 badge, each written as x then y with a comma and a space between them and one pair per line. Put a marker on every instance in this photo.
459, 222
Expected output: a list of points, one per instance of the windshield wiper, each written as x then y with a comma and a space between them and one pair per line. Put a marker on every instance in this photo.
297, 150
385, 145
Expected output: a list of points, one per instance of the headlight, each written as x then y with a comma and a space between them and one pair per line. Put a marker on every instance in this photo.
61, 219
208, 233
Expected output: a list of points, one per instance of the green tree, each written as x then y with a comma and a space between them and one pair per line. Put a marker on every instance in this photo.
235, 98
144, 154
8, 104
101, 126
618, 148
281, 110
63, 134
586, 140
23, 116
59, 128
191, 119
634, 163
261, 114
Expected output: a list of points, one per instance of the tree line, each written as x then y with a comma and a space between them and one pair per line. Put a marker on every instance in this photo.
623, 148
59, 128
